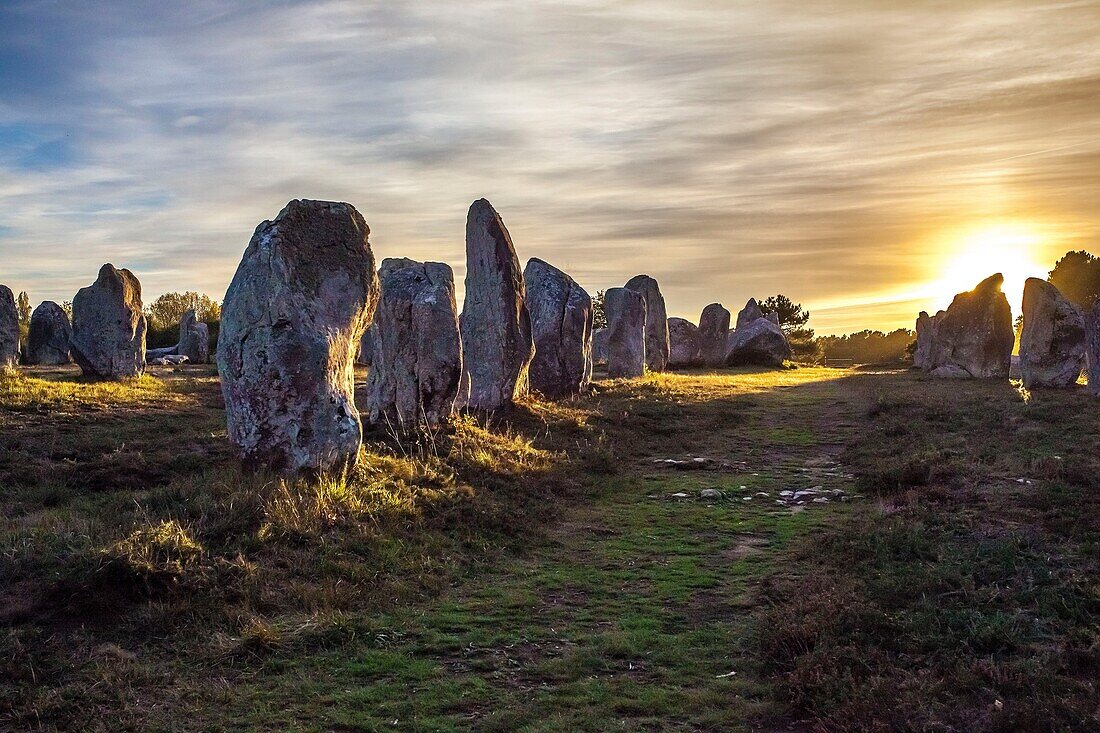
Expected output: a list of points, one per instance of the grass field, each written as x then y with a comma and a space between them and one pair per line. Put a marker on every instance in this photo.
558, 569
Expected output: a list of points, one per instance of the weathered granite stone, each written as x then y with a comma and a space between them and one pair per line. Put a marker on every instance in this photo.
925, 357
950, 371
416, 360
1092, 347
497, 346
657, 345
194, 340
599, 346
367, 347
626, 338
9, 330
758, 343
168, 359
302, 296
683, 343
714, 325
48, 338
773, 317
151, 354
1052, 343
561, 325
749, 313
108, 336
975, 333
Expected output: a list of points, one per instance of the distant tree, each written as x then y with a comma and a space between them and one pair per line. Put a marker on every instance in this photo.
23, 310
23, 307
793, 320
870, 347
167, 310
1077, 276
599, 315
67, 306
165, 313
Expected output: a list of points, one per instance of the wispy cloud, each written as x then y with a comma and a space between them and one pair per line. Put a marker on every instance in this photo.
728, 149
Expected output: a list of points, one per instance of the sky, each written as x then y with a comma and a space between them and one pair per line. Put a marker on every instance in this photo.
867, 159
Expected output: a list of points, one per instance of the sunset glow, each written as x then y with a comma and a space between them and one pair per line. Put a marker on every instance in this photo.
1012, 249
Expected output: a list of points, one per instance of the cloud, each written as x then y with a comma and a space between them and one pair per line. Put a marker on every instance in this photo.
729, 149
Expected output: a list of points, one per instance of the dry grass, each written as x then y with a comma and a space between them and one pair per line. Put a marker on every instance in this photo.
520, 573
21, 393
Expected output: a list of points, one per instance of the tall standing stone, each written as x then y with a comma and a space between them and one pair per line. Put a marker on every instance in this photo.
925, 355
1052, 343
683, 338
9, 330
1092, 347
416, 355
749, 313
108, 337
298, 304
561, 325
975, 333
626, 332
497, 346
714, 325
657, 345
49, 335
194, 340
599, 345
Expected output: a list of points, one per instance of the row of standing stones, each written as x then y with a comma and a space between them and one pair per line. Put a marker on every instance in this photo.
307, 298
106, 336
974, 337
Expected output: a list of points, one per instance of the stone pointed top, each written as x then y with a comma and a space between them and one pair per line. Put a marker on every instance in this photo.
993, 282
749, 313
484, 212
118, 279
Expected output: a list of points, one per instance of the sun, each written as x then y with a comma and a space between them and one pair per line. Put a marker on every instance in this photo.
978, 252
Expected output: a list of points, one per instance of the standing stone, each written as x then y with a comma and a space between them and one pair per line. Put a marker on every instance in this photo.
924, 356
497, 346
683, 343
298, 304
108, 337
657, 346
626, 338
48, 338
599, 346
416, 357
749, 313
714, 325
561, 325
975, 333
758, 343
1052, 343
9, 330
194, 340
367, 347
1092, 344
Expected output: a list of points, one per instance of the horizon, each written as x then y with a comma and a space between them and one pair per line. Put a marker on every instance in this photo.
867, 162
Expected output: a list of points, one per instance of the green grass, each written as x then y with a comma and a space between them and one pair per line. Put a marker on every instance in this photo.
538, 572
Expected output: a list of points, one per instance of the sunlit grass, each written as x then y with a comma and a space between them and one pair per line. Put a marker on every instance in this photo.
19, 392
162, 549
